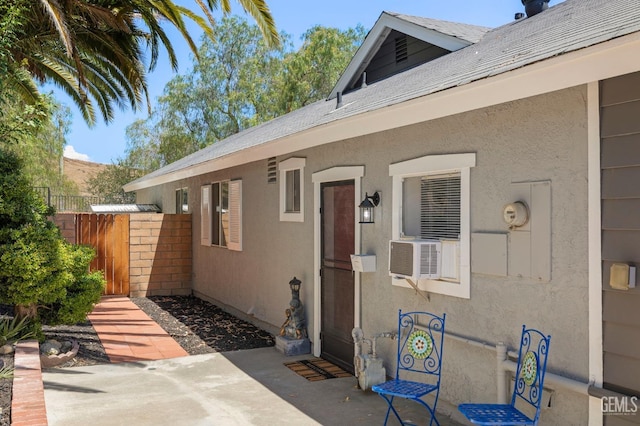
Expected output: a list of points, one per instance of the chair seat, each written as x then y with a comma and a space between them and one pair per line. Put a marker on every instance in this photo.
494, 414
404, 388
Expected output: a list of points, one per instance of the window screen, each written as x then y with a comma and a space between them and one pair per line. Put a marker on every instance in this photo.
440, 207
293, 191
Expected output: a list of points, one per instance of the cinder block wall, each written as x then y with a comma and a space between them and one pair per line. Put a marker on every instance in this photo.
160, 255
67, 224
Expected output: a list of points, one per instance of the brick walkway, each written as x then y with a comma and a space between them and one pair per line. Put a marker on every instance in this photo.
127, 335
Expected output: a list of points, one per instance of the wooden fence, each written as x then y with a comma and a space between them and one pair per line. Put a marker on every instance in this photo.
109, 235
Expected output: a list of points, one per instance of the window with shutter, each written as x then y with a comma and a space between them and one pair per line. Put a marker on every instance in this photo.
221, 214
205, 215
292, 189
235, 215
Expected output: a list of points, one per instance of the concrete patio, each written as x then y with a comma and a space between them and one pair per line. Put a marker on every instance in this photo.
250, 387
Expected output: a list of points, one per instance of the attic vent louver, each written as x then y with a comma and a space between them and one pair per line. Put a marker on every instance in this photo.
533, 7
271, 170
401, 49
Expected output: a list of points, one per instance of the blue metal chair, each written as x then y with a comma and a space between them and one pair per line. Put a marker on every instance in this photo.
526, 400
420, 336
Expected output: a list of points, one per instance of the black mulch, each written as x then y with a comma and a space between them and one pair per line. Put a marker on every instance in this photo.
198, 326
201, 327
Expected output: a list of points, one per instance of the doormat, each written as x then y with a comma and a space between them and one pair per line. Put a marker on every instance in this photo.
315, 369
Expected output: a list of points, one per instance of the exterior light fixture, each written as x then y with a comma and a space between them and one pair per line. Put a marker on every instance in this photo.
367, 206
295, 285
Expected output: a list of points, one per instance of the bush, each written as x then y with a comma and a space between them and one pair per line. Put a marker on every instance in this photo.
12, 330
41, 274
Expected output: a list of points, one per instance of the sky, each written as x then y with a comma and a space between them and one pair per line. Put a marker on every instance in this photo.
105, 143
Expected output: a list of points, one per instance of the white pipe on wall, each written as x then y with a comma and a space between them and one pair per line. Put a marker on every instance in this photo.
504, 365
501, 375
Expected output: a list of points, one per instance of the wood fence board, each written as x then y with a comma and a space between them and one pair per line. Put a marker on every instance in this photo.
109, 236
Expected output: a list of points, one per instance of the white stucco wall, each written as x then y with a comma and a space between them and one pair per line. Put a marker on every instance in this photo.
537, 139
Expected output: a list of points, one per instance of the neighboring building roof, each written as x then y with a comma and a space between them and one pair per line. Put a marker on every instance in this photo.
561, 29
125, 208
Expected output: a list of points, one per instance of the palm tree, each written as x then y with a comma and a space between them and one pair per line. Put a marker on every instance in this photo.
94, 49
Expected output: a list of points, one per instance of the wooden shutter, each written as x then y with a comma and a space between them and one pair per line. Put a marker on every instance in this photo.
205, 215
235, 215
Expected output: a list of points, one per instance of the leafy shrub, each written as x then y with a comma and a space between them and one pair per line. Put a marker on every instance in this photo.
12, 330
6, 372
41, 274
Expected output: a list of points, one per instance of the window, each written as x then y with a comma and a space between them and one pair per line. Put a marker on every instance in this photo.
440, 207
292, 189
431, 201
221, 214
182, 201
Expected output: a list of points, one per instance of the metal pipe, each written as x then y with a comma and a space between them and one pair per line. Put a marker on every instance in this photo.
501, 376
552, 381
389, 334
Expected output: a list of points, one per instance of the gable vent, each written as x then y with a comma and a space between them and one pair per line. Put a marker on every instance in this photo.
401, 49
271, 170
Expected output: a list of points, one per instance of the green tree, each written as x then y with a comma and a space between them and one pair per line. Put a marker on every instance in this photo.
108, 183
238, 82
37, 135
311, 72
94, 49
39, 270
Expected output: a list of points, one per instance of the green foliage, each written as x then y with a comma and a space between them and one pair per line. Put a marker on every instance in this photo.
12, 330
238, 82
83, 290
108, 183
37, 134
95, 50
6, 372
38, 268
312, 71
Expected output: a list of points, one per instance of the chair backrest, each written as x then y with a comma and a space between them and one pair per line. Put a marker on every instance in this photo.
420, 337
532, 365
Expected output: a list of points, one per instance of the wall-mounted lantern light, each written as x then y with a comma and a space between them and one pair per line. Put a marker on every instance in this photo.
367, 206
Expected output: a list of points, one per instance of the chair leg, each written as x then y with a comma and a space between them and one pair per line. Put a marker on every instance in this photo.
432, 411
391, 408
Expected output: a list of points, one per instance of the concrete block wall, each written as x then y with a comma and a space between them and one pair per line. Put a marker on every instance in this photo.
67, 224
160, 254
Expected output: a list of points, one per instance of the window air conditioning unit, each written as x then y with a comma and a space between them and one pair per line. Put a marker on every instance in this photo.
415, 259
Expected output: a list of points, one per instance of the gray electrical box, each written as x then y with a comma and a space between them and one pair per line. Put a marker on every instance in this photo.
529, 253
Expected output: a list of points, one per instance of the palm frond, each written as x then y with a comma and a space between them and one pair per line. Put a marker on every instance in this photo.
57, 17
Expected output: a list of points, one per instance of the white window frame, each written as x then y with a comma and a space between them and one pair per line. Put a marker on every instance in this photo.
207, 204
438, 164
285, 166
180, 196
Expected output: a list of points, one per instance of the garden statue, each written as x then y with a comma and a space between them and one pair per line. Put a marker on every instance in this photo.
294, 326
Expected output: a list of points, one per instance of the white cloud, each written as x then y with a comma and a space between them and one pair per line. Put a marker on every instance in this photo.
70, 152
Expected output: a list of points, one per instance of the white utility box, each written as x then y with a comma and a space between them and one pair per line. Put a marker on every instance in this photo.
363, 262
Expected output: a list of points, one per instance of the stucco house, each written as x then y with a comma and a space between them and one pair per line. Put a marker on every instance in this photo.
524, 138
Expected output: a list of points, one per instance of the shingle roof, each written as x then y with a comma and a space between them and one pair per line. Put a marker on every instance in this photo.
566, 27
472, 33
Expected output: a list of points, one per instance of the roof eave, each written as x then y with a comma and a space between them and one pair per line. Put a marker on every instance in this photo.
376, 37
605, 60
